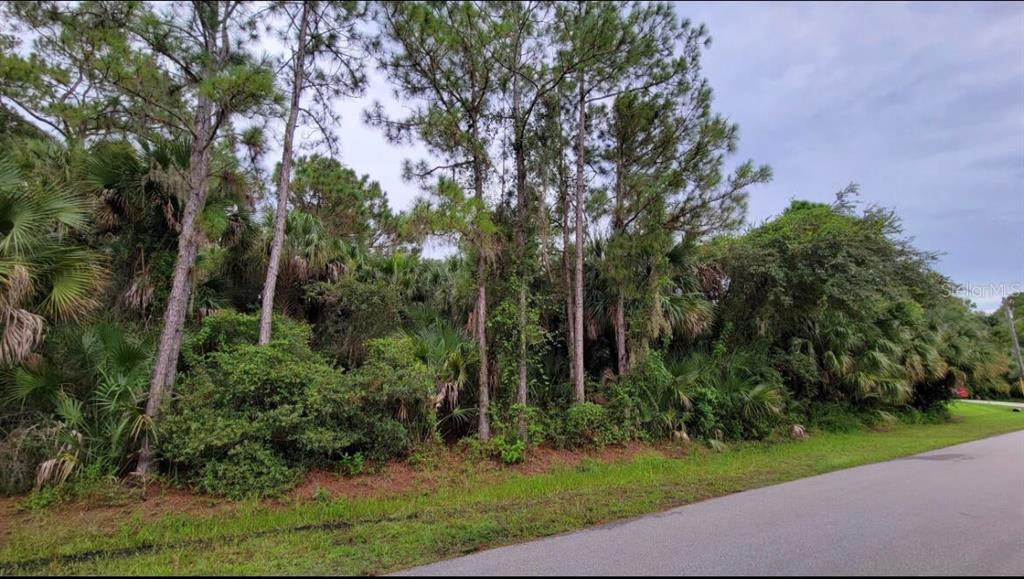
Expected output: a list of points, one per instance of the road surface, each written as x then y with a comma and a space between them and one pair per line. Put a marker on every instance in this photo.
958, 510
995, 403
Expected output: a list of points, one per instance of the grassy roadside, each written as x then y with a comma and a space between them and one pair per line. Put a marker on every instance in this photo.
375, 535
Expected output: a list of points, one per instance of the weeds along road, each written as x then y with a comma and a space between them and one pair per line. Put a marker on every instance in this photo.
953, 511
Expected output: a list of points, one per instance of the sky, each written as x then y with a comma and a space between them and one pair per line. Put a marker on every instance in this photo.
920, 104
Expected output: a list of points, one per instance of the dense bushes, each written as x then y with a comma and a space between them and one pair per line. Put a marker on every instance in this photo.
352, 312
588, 424
249, 420
710, 396
76, 407
848, 311
228, 328
24, 447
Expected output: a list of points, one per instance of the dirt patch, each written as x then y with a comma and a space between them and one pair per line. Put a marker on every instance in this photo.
7, 512
445, 466
155, 501
391, 478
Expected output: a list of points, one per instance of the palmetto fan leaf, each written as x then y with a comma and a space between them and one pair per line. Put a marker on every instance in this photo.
24, 387
41, 273
762, 401
687, 315
29, 214
71, 276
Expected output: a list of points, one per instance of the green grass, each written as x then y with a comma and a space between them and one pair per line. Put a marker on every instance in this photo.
461, 515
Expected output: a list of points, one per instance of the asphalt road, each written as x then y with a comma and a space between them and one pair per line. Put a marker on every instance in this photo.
954, 511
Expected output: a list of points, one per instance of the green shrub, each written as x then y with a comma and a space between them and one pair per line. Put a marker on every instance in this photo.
588, 425
22, 450
249, 470
511, 450
353, 312
249, 420
648, 399
351, 464
706, 406
398, 383
387, 438
78, 406
226, 328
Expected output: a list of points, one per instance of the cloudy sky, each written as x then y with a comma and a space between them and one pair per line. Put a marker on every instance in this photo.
921, 104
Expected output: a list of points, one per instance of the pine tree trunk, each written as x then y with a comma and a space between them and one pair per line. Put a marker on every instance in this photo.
570, 316
620, 333
283, 184
579, 376
619, 230
483, 420
521, 222
165, 366
166, 363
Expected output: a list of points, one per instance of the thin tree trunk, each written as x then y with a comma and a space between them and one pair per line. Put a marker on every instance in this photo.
619, 318
283, 184
166, 363
579, 376
620, 333
165, 366
521, 222
570, 316
483, 420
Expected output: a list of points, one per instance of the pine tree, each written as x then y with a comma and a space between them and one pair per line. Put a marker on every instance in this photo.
438, 58
326, 57
665, 150
615, 49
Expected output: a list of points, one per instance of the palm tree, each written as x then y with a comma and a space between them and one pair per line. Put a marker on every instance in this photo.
45, 277
309, 253
94, 398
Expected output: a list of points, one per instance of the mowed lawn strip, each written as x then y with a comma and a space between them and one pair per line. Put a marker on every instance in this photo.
376, 535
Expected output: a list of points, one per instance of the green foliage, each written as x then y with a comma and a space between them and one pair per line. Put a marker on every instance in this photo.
712, 397
351, 464
225, 329
400, 383
589, 425
352, 312
661, 400
266, 414
353, 208
45, 276
849, 311
824, 316
510, 450
86, 388
248, 470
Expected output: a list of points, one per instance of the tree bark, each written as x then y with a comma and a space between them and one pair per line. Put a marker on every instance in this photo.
165, 366
284, 183
483, 420
166, 363
620, 334
567, 260
579, 376
521, 223
619, 317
